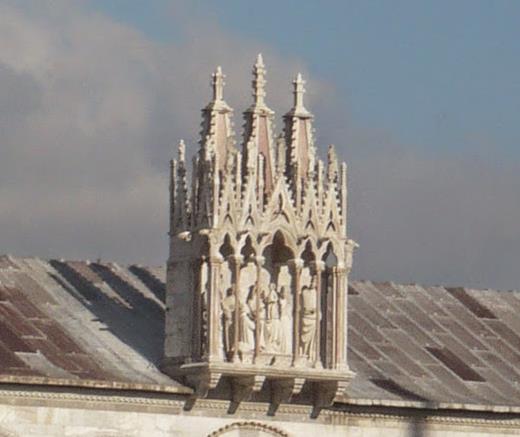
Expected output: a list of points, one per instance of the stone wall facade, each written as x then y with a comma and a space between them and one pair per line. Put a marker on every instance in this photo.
74, 414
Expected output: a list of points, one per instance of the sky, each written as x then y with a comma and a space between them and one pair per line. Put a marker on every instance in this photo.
421, 99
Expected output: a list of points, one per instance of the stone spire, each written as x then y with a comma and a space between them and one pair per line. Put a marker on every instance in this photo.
300, 162
218, 85
179, 197
217, 130
258, 136
259, 82
298, 93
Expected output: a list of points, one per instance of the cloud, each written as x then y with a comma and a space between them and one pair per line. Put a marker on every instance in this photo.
90, 111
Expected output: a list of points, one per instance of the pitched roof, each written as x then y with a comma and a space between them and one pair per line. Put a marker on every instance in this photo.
101, 324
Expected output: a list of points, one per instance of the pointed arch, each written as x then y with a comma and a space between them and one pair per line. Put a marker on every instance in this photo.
247, 249
278, 249
227, 249
262, 429
308, 254
284, 234
329, 256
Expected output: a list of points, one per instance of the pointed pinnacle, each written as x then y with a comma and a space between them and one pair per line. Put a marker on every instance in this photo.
259, 81
218, 84
259, 60
298, 92
182, 151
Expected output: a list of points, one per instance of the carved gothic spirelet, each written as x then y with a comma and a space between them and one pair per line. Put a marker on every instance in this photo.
259, 255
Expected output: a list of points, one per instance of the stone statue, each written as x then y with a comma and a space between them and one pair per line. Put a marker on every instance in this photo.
246, 329
308, 319
228, 311
272, 320
286, 322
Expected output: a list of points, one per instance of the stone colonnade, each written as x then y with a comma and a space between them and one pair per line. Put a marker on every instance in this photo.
268, 303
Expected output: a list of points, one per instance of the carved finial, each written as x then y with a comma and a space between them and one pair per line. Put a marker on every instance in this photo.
259, 81
332, 169
218, 84
280, 154
298, 92
259, 61
182, 151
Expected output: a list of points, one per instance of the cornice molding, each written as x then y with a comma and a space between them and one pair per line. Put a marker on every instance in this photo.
93, 383
333, 417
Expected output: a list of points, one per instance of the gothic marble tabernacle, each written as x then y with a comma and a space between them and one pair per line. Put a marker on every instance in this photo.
259, 256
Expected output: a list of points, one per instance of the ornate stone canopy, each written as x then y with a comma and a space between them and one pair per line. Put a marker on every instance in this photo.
259, 258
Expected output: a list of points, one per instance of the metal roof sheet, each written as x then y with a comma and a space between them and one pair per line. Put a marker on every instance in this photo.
80, 321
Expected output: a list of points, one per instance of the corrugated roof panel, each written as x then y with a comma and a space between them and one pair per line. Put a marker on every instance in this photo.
83, 269
106, 322
148, 278
87, 289
455, 364
8, 358
423, 300
471, 303
369, 313
23, 304
402, 392
396, 355
505, 332
13, 340
462, 350
362, 346
33, 289
366, 329
388, 289
57, 336
458, 330
10, 315
420, 335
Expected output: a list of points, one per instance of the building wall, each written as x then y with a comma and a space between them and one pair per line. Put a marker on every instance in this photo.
44, 414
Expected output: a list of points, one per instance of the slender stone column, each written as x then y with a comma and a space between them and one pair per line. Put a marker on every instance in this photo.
197, 311
214, 309
333, 339
318, 267
259, 261
296, 266
341, 317
236, 263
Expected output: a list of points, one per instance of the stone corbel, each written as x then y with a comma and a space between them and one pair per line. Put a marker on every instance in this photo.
241, 389
325, 393
203, 383
282, 390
